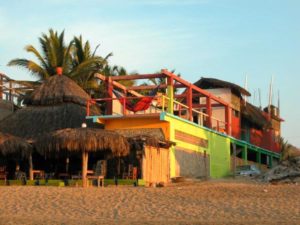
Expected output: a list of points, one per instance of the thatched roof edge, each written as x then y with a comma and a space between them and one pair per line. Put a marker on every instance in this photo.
10, 144
56, 90
82, 139
204, 82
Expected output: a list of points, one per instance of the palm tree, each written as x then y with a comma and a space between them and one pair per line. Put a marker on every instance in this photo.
76, 59
85, 64
162, 80
118, 71
54, 54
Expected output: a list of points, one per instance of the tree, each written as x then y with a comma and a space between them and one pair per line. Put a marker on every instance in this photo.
54, 54
118, 71
161, 80
76, 59
284, 148
85, 64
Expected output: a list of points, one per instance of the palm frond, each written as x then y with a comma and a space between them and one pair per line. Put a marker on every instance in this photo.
30, 48
95, 50
33, 67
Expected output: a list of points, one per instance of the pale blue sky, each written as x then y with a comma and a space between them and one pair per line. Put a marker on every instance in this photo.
225, 39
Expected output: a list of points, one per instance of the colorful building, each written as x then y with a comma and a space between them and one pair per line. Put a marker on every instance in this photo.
202, 126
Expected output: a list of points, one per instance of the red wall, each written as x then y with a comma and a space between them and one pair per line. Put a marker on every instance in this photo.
235, 127
264, 139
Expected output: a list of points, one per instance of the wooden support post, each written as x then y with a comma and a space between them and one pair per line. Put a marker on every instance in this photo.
109, 94
84, 168
124, 104
271, 161
10, 98
30, 167
190, 102
88, 107
1, 89
245, 154
234, 159
209, 112
228, 120
258, 157
170, 93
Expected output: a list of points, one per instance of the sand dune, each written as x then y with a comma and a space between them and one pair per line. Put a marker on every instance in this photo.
216, 202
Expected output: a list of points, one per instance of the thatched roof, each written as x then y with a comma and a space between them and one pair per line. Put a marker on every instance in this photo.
254, 115
207, 83
56, 104
31, 121
6, 105
56, 90
10, 144
82, 139
149, 136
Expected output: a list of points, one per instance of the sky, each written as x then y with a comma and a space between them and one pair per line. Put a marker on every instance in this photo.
224, 39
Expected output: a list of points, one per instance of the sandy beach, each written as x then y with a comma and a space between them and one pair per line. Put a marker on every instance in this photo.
211, 202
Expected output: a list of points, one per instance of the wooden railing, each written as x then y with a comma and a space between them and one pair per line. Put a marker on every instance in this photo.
159, 104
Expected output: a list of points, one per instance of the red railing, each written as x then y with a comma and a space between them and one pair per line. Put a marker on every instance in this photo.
159, 104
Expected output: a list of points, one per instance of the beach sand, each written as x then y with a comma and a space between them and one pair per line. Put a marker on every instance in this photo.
209, 202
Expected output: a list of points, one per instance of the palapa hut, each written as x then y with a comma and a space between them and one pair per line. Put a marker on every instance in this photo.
14, 149
10, 144
83, 140
56, 104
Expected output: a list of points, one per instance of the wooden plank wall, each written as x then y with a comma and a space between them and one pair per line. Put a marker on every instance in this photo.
156, 165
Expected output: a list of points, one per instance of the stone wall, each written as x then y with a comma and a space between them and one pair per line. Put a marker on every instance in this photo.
191, 164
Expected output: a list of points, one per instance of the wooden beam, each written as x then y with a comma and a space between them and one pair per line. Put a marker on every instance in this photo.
30, 167
170, 93
228, 120
84, 168
190, 102
10, 91
109, 94
149, 87
204, 105
137, 77
194, 87
209, 111
1, 89
118, 85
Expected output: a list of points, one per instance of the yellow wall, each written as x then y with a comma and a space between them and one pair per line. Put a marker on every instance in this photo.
138, 123
218, 146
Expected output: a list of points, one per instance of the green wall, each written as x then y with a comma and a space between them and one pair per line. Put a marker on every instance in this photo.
218, 145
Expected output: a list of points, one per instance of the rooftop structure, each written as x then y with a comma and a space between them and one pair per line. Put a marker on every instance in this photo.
205, 126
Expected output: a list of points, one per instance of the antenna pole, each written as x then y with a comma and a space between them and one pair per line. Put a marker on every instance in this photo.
270, 95
259, 96
246, 87
254, 97
278, 103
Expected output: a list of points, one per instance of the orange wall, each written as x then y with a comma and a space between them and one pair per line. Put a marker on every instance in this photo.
132, 123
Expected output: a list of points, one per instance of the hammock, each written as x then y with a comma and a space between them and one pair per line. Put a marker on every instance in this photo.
142, 104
